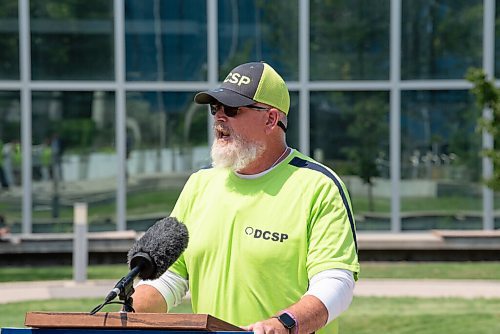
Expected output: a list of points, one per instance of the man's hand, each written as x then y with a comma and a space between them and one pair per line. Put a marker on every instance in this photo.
309, 312
269, 326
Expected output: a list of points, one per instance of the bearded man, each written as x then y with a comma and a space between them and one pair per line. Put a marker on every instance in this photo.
272, 235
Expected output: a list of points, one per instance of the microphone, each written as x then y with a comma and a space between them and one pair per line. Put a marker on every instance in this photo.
151, 255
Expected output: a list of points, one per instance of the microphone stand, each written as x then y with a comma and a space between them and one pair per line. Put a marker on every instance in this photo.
141, 263
127, 289
124, 290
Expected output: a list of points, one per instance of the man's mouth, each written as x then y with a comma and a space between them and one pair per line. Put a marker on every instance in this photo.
222, 132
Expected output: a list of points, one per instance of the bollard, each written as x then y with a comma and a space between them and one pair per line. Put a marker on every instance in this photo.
80, 242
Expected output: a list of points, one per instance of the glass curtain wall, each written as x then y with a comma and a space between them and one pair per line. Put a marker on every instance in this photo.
10, 161
259, 31
166, 132
10, 119
440, 39
440, 162
72, 40
496, 71
9, 40
73, 139
497, 39
349, 130
74, 158
337, 61
166, 40
166, 138
349, 40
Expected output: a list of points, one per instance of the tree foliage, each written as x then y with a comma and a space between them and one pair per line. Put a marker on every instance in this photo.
488, 96
369, 131
369, 128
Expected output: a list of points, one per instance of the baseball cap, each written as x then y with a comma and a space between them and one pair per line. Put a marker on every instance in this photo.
247, 84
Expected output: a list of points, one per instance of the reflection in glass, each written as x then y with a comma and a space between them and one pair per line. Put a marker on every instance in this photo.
10, 163
166, 40
350, 134
73, 158
349, 40
497, 39
72, 40
166, 140
440, 162
254, 30
9, 40
292, 132
440, 39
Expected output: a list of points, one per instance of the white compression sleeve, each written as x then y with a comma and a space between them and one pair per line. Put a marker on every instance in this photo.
172, 287
334, 287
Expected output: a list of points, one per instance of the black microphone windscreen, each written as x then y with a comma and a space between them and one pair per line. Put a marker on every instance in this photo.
164, 242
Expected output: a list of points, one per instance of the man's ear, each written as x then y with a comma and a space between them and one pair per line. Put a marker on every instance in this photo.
272, 119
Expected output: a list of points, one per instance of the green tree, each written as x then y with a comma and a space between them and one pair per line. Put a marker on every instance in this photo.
488, 96
440, 39
369, 130
72, 39
9, 40
349, 39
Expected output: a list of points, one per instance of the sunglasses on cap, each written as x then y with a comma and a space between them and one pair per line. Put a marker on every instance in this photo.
233, 111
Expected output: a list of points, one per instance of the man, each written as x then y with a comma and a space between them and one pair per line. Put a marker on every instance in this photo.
272, 238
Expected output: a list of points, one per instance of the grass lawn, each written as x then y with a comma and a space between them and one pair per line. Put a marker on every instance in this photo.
143, 202
419, 316
409, 270
13, 274
163, 200
366, 314
450, 204
431, 270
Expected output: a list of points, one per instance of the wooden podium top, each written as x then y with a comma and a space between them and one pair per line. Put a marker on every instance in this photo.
124, 320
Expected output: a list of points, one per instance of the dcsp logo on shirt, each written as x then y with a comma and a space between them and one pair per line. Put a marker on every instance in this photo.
266, 235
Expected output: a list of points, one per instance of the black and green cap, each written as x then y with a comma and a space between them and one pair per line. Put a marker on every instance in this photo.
247, 84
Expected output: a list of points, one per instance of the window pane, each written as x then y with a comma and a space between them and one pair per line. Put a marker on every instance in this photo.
292, 132
440, 38
166, 40
72, 40
9, 40
350, 134
254, 30
350, 40
167, 139
497, 38
10, 162
440, 166
74, 159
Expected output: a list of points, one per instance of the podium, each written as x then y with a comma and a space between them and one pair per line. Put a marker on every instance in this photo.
121, 323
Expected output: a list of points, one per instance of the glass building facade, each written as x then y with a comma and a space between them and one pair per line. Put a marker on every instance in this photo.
96, 103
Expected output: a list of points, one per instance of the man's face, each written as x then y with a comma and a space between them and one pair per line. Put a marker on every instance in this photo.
238, 137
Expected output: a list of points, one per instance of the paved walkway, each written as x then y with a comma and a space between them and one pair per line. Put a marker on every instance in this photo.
21, 291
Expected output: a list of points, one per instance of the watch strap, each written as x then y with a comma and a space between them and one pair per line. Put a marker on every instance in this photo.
295, 328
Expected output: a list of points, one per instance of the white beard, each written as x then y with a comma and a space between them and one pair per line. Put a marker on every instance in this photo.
236, 154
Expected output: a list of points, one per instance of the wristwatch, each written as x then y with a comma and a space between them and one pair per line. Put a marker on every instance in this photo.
288, 320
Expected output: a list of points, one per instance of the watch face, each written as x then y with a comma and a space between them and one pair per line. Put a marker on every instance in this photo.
287, 320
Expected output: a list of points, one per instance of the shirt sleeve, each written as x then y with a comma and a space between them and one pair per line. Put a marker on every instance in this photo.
332, 240
171, 286
335, 289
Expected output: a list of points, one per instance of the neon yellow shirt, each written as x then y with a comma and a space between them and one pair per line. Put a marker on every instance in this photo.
255, 243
